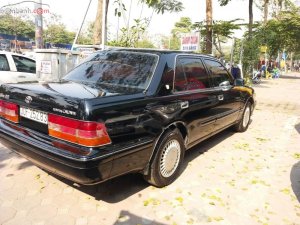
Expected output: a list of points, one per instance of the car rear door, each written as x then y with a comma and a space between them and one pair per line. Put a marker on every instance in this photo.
228, 98
193, 89
25, 69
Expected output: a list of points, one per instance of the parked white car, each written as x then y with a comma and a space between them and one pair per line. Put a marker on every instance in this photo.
16, 68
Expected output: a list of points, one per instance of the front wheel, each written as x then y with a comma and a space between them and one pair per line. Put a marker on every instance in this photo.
243, 124
166, 164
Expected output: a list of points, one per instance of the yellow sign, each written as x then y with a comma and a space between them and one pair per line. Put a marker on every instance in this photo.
263, 49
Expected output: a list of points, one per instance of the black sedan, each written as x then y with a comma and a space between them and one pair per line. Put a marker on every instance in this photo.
123, 111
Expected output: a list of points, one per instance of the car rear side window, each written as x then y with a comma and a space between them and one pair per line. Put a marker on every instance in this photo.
117, 69
218, 72
3, 63
190, 74
24, 65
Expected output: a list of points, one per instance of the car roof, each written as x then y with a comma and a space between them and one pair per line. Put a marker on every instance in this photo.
157, 51
16, 54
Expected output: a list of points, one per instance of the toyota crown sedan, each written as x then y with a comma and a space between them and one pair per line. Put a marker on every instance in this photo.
123, 111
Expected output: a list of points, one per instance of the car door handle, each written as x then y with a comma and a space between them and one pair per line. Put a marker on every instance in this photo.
220, 97
184, 105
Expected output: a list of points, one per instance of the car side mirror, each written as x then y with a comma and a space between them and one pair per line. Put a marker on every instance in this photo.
225, 85
239, 82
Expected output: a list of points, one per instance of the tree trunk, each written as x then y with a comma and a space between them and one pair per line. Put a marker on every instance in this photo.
97, 36
250, 18
266, 11
98, 24
209, 26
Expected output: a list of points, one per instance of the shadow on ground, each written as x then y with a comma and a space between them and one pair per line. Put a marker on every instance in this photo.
297, 127
6, 155
204, 146
262, 84
289, 77
120, 188
126, 218
295, 180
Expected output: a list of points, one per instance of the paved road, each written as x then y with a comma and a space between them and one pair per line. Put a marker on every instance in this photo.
244, 178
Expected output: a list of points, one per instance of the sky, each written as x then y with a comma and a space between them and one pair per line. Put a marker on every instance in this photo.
160, 24
72, 13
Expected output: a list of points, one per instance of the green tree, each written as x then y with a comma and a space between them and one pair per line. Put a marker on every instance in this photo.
86, 35
250, 9
281, 33
162, 6
57, 33
222, 31
16, 26
184, 25
159, 6
130, 37
145, 43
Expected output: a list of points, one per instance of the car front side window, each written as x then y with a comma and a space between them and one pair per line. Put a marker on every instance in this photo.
190, 74
3, 63
218, 72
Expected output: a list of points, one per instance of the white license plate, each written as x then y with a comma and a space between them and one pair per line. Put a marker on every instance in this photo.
35, 115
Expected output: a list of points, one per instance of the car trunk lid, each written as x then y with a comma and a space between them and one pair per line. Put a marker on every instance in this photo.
40, 99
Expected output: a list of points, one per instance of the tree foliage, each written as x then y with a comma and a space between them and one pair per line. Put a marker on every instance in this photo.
184, 25
281, 33
16, 26
161, 6
57, 33
130, 37
222, 31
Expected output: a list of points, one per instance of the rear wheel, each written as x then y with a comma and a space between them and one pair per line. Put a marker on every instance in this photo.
166, 164
243, 124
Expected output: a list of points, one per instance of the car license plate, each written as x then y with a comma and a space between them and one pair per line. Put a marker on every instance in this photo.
35, 115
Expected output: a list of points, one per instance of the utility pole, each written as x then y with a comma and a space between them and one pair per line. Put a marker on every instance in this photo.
38, 25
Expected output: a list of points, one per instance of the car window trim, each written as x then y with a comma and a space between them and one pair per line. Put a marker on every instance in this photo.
194, 56
195, 91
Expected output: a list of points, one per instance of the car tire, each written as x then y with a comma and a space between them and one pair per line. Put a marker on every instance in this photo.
166, 164
243, 124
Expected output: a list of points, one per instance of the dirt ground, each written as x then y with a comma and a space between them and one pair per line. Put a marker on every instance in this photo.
232, 178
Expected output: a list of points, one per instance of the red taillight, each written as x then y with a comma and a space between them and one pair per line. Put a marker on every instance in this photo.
90, 134
9, 111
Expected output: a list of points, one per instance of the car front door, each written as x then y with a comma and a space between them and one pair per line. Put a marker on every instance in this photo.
229, 99
6, 75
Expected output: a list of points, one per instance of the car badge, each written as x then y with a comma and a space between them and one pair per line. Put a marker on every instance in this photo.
28, 99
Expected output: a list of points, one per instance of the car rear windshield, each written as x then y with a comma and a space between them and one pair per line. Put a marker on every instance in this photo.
116, 70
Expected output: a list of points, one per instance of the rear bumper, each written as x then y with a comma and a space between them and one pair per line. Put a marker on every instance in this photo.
110, 162
82, 172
